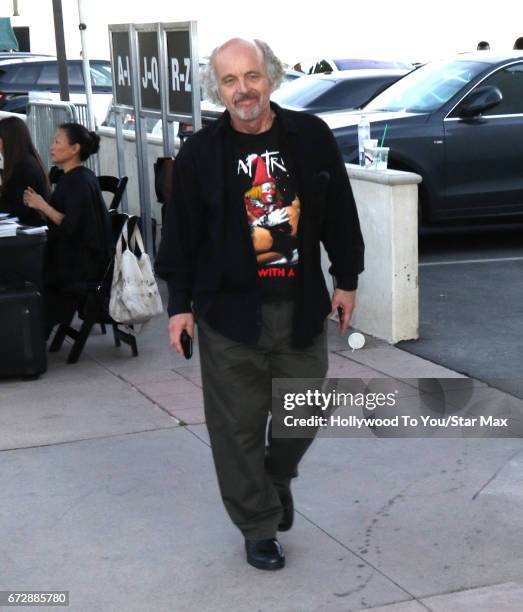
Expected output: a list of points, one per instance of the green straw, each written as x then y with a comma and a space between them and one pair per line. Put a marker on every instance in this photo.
384, 133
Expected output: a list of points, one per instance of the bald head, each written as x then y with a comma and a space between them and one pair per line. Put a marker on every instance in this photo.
236, 47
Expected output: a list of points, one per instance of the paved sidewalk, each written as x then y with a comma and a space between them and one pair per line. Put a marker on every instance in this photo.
109, 492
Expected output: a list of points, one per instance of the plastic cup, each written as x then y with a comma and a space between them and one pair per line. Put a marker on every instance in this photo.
381, 158
368, 151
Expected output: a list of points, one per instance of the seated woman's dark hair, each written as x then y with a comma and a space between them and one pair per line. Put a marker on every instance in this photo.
78, 134
18, 145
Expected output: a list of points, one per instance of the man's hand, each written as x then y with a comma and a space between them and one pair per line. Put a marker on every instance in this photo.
346, 301
177, 324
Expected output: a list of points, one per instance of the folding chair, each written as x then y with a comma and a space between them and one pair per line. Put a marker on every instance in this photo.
91, 311
93, 308
113, 185
110, 184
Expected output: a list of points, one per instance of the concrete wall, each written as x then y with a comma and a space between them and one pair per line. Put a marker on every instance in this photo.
387, 298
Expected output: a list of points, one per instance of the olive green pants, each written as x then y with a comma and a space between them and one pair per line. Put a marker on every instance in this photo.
237, 398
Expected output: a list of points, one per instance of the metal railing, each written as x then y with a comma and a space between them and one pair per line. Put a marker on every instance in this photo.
43, 117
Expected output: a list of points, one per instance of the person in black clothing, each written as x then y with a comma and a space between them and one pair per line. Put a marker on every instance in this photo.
22, 168
254, 194
79, 241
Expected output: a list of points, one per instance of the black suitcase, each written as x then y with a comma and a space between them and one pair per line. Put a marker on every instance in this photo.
22, 343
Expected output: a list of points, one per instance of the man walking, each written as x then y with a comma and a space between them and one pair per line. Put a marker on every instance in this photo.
253, 195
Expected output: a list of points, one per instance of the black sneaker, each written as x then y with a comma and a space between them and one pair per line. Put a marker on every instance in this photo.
265, 554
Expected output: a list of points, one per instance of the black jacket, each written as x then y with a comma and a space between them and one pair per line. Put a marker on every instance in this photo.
27, 173
77, 250
227, 293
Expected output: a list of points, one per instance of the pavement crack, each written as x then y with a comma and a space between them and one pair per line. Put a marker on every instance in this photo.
74, 503
154, 402
360, 587
361, 558
187, 378
197, 436
380, 513
92, 438
495, 475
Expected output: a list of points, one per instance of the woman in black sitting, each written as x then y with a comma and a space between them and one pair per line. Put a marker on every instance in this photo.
79, 241
22, 168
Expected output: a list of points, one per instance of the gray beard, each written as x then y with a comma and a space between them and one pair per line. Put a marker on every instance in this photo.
249, 114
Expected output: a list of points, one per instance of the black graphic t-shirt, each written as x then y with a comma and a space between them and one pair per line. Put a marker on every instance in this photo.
272, 207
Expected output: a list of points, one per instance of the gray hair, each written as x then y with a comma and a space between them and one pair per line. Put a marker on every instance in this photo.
273, 66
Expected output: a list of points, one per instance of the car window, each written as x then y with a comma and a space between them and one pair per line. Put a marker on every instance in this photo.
49, 76
322, 66
302, 91
428, 87
28, 73
355, 64
75, 75
352, 93
101, 75
25, 74
509, 80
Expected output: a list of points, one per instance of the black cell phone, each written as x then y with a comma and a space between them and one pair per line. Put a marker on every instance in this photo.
186, 341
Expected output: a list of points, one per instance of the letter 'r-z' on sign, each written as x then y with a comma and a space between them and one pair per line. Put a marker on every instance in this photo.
185, 77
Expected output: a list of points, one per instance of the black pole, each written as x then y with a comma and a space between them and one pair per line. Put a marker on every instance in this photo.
60, 50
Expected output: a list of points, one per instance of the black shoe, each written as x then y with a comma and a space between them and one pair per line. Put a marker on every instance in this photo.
265, 554
287, 503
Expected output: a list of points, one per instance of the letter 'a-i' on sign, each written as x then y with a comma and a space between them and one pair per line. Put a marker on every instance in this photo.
121, 63
124, 71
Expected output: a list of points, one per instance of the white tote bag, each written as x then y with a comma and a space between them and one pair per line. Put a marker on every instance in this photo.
134, 293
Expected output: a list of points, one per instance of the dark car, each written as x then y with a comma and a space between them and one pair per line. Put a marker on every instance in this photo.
343, 90
291, 75
321, 65
457, 123
20, 75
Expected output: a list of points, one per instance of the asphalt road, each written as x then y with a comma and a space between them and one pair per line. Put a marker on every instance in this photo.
471, 304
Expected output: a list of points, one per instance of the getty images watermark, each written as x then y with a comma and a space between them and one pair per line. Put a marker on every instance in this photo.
349, 407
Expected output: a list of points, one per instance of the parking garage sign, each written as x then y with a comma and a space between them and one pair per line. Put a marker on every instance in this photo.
121, 67
155, 73
180, 68
149, 70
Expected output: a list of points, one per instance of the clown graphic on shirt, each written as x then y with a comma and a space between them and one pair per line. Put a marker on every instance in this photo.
273, 225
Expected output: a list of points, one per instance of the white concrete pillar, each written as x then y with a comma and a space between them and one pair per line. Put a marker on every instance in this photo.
387, 305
